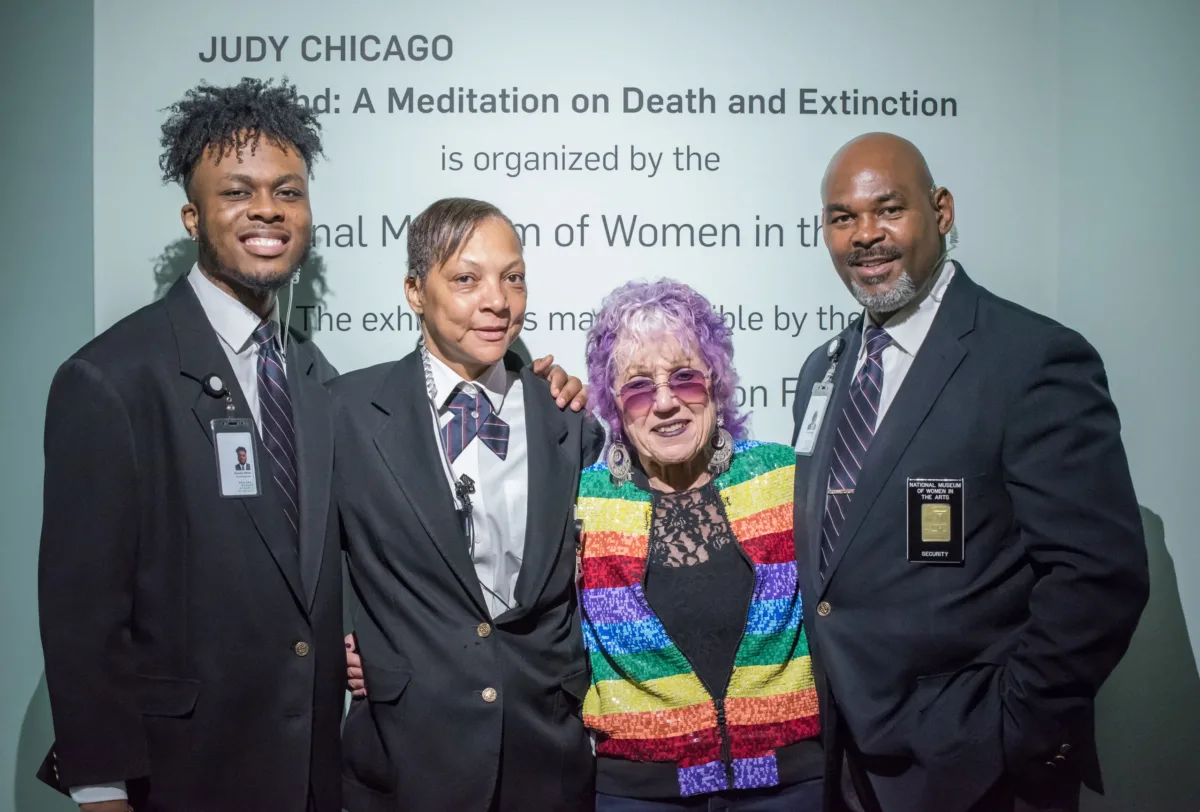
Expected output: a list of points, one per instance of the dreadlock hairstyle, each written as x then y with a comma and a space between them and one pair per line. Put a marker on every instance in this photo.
226, 119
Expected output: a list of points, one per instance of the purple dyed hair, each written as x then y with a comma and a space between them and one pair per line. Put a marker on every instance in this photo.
687, 317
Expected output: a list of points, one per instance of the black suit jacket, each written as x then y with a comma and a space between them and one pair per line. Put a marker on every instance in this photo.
426, 740
191, 649
955, 681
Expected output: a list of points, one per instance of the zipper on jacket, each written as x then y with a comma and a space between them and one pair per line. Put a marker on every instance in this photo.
726, 744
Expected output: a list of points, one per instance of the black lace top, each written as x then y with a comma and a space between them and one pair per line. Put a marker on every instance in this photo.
699, 582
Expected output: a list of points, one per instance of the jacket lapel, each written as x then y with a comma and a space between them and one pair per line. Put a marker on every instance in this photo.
552, 484
200, 355
939, 356
407, 444
823, 451
314, 460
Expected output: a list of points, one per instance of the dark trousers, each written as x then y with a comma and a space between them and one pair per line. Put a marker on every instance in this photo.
856, 795
1006, 797
802, 797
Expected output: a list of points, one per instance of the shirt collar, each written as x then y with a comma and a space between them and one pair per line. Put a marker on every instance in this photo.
493, 382
233, 322
909, 326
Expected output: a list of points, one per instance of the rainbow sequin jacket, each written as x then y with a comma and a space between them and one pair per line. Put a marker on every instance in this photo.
645, 702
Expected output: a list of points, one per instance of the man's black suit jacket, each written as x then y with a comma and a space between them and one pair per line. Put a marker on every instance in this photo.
967, 684
426, 739
191, 649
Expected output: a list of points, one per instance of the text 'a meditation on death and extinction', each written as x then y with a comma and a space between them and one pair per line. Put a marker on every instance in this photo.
805, 101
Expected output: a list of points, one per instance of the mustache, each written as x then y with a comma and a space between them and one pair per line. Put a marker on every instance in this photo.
886, 253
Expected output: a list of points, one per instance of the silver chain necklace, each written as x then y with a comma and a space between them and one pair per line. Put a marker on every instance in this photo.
425, 364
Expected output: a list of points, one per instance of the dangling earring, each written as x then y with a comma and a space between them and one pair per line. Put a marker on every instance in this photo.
620, 465
722, 449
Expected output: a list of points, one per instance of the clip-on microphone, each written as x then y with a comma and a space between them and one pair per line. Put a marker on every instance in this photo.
463, 488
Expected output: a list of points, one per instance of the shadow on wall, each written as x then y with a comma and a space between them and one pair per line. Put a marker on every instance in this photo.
37, 734
1148, 713
179, 256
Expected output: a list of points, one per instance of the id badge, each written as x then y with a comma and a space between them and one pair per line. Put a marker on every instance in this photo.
814, 415
237, 460
935, 521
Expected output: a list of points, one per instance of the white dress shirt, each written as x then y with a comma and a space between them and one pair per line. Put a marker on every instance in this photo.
907, 328
500, 503
234, 324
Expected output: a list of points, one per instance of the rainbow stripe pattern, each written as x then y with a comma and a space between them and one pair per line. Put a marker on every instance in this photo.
645, 702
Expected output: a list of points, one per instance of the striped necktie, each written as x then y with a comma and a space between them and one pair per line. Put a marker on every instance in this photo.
472, 416
275, 418
854, 434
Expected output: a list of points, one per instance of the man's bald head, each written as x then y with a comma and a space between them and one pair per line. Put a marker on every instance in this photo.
884, 223
899, 155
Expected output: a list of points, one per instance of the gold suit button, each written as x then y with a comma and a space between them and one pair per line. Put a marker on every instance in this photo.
823, 608
1066, 748
301, 649
483, 630
489, 694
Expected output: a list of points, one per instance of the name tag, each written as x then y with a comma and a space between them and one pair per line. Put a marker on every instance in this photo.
237, 460
814, 415
935, 521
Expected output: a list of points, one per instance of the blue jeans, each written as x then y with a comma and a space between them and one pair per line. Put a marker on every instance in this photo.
802, 797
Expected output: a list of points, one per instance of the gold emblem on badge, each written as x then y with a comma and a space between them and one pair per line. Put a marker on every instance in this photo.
935, 522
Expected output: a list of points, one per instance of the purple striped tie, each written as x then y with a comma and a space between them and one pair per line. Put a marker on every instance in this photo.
472, 416
854, 434
275, 418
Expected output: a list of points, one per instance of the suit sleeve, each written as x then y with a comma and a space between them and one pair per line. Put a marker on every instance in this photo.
1077, 515
592, 438
86, 570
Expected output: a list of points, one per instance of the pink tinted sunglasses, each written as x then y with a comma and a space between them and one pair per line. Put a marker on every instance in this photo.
689, 387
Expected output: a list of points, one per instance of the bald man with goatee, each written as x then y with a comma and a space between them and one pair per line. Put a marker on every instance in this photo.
969, 541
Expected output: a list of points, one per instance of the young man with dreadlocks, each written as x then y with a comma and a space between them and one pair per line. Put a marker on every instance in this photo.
192, 628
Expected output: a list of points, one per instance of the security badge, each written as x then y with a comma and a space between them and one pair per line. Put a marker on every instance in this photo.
814, 413
935, 521
234, 441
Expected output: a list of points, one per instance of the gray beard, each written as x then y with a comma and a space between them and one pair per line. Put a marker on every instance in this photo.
903, 292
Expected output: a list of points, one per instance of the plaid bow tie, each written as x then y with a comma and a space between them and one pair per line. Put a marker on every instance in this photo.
473, 416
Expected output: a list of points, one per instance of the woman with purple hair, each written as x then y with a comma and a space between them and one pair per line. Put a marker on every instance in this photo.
701, 684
